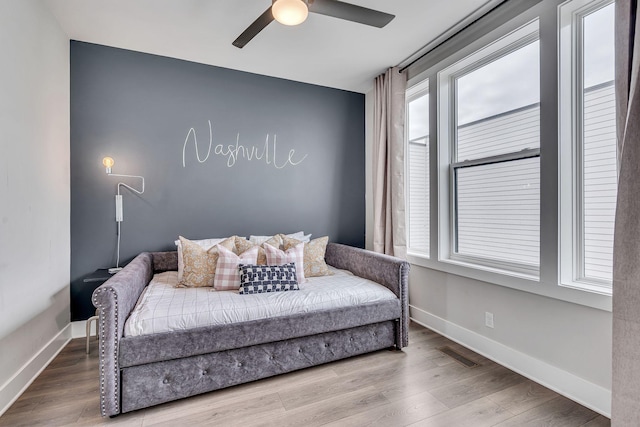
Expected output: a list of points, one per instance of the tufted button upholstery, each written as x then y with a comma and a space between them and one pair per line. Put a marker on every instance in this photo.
252, 363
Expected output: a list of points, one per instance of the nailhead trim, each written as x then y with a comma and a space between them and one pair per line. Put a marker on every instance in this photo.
402, 338
116, 376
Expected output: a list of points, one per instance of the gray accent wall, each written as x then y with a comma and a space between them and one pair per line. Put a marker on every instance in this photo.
139, 109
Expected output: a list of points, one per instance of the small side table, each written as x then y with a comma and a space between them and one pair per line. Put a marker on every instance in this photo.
91, 282
100, 275
89, 320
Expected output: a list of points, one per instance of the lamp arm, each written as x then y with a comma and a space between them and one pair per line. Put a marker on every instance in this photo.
128, 186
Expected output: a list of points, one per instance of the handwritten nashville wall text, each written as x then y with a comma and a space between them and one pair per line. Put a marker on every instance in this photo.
234, 152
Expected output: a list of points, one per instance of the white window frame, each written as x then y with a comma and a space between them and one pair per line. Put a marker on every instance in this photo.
570, 99
412, 93
447, 162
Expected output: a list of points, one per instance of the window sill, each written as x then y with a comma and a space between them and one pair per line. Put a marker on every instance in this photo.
586, 286
516, 281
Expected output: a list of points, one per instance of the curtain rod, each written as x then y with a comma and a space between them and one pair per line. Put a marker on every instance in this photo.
451, 32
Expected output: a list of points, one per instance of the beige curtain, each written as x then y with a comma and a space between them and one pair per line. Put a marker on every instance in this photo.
626, 250
389, 233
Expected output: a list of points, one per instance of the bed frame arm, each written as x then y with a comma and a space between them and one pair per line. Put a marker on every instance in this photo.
389, 271
114, 301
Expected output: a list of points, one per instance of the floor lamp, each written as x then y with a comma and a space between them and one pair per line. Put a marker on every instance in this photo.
108, 163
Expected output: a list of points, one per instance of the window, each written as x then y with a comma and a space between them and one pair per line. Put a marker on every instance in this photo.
588, 143
417, 128
516, 174
491, 124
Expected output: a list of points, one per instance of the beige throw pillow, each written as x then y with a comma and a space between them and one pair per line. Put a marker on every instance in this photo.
242, 245
314, 264
204, 243
199, 267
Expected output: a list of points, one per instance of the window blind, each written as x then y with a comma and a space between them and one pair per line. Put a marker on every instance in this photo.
498, 211
599, 187
419, 195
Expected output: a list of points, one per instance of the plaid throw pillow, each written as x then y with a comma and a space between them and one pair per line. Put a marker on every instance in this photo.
257, 279
293, 254
227, 274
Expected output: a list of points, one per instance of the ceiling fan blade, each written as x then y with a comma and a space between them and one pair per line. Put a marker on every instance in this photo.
253, 29
350, 12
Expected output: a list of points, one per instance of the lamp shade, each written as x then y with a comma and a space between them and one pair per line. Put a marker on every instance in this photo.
290, 12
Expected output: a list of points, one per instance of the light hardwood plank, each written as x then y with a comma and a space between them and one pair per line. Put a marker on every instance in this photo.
239, 411
522, 397
400, 412
559, 411
479, 413
469, 389
599, 421
322, 412
91, 417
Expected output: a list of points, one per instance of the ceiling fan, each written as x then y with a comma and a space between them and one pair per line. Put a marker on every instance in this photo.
294, 12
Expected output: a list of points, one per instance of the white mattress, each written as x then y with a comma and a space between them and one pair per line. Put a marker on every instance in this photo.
165, 308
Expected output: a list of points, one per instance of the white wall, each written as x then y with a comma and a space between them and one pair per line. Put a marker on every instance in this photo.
34, 192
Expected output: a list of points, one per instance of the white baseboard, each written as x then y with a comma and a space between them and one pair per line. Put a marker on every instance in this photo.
11, 390
588, 394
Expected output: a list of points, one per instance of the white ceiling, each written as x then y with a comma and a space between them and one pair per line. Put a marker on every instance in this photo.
323, 50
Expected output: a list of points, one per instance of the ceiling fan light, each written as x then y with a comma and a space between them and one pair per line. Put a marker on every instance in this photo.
290, 12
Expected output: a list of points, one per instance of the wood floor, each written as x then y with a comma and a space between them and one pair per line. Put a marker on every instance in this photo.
419, 386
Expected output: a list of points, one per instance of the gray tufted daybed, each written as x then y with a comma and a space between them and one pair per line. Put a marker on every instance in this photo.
141, 371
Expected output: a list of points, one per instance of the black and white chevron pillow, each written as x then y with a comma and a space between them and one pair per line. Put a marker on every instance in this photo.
257, 279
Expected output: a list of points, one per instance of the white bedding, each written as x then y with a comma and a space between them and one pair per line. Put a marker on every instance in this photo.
165, 308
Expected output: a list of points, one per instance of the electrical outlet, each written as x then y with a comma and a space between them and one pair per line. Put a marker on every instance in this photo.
488, 319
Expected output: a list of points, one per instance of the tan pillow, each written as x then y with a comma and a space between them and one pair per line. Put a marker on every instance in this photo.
314, 264
199, 266
242, 245
204, 243
276, 241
